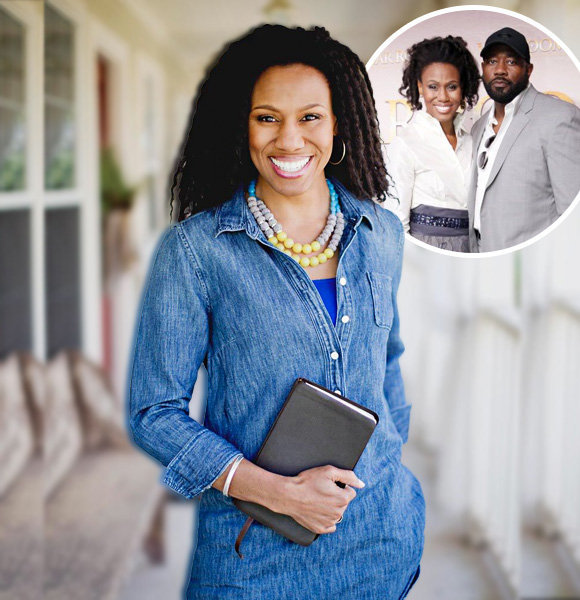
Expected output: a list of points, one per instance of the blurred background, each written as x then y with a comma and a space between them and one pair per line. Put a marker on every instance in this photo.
94, 98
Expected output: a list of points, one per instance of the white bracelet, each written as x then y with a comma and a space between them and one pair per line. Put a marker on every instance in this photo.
230, 476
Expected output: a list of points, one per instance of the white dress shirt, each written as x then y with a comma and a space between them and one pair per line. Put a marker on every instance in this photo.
425, 169
492, 150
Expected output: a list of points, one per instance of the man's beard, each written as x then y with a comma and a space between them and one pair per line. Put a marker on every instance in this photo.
509, 92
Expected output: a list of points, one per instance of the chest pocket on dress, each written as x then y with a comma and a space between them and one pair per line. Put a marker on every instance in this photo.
381, 292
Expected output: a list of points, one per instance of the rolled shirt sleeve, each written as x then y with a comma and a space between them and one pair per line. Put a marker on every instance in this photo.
170, 343
393, 383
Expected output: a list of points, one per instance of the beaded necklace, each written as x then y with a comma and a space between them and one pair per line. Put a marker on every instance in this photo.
277, 237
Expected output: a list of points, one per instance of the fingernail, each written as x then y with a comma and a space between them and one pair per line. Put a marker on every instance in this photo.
361, 482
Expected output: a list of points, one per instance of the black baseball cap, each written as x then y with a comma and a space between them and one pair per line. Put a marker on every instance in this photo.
508, 37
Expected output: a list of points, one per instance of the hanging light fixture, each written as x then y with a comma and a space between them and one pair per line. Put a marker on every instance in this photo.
279, 11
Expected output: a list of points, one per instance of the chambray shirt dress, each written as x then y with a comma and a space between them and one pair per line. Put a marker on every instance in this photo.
219, 294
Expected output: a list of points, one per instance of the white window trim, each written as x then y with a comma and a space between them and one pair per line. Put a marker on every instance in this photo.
31, 197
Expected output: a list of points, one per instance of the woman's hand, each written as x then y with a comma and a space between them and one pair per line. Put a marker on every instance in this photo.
313, 498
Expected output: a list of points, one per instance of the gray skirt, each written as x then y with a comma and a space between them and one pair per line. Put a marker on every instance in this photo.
445, 228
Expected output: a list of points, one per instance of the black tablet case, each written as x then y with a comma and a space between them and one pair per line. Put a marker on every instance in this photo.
314, 427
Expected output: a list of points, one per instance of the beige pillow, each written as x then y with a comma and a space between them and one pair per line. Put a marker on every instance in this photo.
35, 388
16, 436
62, 428
102, 416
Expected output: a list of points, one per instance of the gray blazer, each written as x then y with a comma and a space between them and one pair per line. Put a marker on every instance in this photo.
535, 175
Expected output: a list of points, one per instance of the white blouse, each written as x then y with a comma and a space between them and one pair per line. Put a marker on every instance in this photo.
425, 169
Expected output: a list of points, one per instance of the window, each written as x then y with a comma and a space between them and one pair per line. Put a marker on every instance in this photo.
15, 282
62, 256
12, 105
59, 102
15, 247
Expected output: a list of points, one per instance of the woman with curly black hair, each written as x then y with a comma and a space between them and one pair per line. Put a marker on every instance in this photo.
280, 266
430, 159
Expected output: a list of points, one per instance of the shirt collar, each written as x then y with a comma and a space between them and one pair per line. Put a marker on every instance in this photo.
459, 123
428, 120
234, 215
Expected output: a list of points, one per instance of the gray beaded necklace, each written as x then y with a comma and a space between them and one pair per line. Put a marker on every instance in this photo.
332, 231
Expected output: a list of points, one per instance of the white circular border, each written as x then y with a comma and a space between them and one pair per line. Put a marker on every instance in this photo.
569, 53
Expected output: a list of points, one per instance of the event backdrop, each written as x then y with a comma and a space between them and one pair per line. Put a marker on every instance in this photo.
555, 72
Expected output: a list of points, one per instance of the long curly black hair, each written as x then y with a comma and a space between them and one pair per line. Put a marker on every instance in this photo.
214, 158
451, 50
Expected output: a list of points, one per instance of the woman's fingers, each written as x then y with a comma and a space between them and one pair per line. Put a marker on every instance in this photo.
345, 477
322, 528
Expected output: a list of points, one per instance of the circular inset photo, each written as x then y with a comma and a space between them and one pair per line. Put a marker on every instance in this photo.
480, 127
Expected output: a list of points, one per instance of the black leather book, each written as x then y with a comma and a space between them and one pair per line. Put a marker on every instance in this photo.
315, 427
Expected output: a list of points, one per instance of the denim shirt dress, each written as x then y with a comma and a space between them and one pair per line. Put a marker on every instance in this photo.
219, 294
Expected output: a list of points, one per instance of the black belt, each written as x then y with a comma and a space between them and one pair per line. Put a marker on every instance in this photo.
451, 222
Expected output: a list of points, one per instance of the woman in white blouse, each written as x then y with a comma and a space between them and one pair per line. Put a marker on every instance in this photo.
430, 159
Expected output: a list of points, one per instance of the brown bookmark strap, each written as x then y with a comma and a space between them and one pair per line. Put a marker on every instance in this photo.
241, 535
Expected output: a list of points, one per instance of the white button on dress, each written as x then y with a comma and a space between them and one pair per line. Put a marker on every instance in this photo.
334, 355
345, 319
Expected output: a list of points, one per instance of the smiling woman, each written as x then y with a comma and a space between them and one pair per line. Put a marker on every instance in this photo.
430, 159
280, 266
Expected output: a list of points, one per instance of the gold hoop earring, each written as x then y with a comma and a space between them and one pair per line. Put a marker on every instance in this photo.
343, 154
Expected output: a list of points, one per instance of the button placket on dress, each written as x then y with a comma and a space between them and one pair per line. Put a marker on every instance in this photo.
334, 350
343, 328
344, 303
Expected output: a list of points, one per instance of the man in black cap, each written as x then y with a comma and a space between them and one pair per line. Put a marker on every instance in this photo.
526, 151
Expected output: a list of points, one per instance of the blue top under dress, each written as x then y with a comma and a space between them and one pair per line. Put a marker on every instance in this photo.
327, 290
